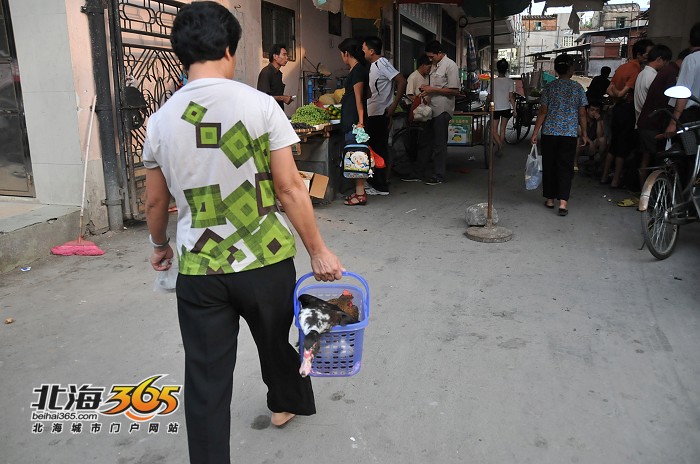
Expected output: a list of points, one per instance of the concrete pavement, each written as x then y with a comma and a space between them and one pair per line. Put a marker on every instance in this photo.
566, 344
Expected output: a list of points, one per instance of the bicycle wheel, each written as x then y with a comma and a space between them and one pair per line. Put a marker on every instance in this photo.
660, 236
514, 129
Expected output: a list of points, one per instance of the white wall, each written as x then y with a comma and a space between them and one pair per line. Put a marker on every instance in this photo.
50, 100
671, 26
57, 89
313, 42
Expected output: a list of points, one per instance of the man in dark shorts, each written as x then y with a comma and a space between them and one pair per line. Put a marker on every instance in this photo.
623, 117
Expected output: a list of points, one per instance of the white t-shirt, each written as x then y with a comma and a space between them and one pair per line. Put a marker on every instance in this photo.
212, 139
381, 75
414, 81
689, 77
641, 87
445, 75
502, 86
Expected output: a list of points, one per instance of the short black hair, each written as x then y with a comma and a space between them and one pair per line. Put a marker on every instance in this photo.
660, 51
640, 47
276, 49
423, 60
502, 66
595, 104
202, 31
434, 46
683, 53
374, 43
695, 35
563, 63
605, 71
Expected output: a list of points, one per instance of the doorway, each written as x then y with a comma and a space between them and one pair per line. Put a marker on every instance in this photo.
15, 165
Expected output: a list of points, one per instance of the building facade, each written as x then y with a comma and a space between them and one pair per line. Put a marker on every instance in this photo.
48, 82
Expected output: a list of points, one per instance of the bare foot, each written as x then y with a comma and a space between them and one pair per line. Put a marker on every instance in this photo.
279, 419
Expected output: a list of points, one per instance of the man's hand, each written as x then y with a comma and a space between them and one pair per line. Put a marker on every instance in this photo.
585, 141
287, 99
326, 266
162, 258
671, 130
533, 139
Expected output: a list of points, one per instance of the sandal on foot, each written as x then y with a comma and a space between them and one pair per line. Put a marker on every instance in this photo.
547, 205
563, 211
356, 200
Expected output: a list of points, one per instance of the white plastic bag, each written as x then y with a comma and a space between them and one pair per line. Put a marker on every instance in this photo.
533, 169
422, 113
166, 280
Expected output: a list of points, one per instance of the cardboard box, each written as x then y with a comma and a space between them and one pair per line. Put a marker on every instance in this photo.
315, 183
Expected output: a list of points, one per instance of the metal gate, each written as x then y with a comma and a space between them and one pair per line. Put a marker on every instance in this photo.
146, 73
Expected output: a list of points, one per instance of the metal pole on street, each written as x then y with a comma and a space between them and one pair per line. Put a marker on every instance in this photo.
490, 233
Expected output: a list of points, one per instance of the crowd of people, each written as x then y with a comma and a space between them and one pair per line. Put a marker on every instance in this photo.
234, 265
636, 129
373, 90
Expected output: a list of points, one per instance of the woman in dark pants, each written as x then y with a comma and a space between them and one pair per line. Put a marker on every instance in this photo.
562, 110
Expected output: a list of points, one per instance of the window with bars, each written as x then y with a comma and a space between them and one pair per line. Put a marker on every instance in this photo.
278, 27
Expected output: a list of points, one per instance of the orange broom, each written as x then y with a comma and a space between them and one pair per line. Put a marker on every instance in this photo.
80, 246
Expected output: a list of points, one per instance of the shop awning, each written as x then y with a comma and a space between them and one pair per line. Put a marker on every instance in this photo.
502, 8
609, 33
502, 28
557, 51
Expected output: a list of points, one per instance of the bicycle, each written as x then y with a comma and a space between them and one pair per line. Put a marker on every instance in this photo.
518, 126
665, 204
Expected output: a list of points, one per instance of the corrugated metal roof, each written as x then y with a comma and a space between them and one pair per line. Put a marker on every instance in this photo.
537, 17
562, 50
621, 8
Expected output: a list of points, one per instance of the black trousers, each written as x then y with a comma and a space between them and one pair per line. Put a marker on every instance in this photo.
558, 155
209, 308
377, 127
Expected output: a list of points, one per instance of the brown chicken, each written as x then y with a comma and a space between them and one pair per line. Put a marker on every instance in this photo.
344, 302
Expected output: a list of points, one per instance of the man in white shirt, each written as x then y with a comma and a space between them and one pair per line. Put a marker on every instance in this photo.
419, 146
419, 76
380, 109
685, 109
658, 57
442, 90
222, 150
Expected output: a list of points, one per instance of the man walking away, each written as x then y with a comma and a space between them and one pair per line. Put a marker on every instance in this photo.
442, 90
222, 150
380, 109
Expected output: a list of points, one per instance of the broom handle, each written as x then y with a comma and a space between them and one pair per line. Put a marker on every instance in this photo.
87, 156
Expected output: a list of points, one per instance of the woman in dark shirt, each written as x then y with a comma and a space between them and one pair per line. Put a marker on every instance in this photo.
354, 104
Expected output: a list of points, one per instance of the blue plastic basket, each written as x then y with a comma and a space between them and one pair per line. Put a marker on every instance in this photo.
340, 352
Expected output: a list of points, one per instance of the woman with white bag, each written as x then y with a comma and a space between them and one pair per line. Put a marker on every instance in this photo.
562, 110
